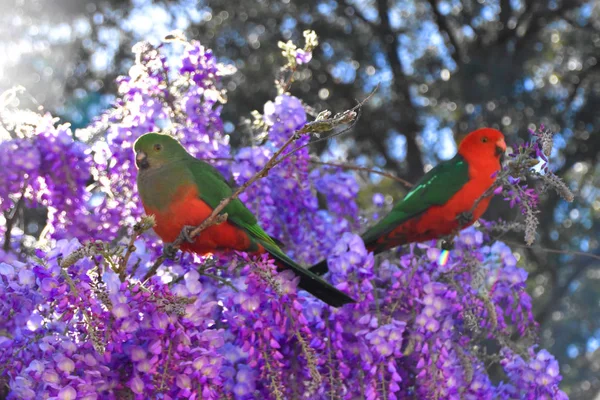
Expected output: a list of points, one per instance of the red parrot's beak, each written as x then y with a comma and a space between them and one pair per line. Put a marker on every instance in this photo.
500, 147
141, 160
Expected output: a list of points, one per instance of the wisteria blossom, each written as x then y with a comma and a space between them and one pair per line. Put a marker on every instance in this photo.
85, 313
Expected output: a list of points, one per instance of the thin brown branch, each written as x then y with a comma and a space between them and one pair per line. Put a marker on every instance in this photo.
349, 166
350, 116
364, 169
123, 262
139, 228
12, 219
555, 251
154, 267
290, 80
135, 267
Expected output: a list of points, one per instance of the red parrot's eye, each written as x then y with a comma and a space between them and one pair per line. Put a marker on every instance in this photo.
484, 140
157, 147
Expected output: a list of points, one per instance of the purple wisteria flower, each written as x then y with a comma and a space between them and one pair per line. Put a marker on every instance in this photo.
84, 314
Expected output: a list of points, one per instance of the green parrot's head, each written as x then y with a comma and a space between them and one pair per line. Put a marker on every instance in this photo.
154, 150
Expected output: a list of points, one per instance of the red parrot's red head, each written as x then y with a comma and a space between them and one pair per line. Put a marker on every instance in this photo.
484, 143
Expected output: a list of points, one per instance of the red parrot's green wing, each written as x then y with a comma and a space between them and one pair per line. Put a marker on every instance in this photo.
213, 188
434, 189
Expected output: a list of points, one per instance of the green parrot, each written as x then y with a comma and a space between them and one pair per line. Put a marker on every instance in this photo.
182, 191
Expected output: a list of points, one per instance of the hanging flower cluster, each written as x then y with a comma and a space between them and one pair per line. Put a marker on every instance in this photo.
86, 313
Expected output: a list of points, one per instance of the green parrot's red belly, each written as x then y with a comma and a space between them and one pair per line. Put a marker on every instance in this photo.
438, 221
189, 209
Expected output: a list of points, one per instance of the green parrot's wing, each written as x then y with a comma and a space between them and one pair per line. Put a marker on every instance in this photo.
435, 188
214, 188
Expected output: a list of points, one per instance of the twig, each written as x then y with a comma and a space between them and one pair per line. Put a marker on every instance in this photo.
353, 167
555, 251
364, 169
154, 267
162, 386
349, 166
350, 116
323, 124
290, 80
10, 220
220, 279
123, 264
135, 267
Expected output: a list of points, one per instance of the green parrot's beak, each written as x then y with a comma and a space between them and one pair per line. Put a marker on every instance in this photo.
141, 160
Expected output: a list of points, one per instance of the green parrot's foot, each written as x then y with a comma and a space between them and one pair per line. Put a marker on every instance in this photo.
465, 218
169, 251
186, 233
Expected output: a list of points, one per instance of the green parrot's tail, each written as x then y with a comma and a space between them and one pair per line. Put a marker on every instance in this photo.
320, 268
312, 283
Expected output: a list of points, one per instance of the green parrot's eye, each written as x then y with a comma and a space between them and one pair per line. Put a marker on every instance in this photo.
157, 147
484, 139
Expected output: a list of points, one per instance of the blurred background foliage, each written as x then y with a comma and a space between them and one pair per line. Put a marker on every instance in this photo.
444, 68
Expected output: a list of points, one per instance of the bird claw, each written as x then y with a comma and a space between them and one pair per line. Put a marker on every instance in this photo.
186, 231
448, 243
465, 217
169, 251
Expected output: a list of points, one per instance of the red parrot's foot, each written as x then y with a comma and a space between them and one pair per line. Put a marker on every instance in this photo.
186, 233
448, 243
465, 218
169, 251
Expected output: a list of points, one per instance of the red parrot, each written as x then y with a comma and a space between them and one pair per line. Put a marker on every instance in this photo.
432, 208
182, 191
